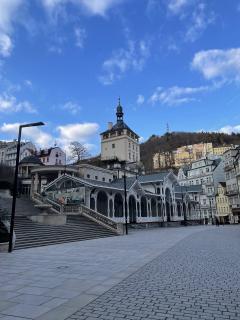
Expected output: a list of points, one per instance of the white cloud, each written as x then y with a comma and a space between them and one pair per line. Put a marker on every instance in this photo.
72, 107
34, 134
140, 99
218, 64
5, 45
201, 19
8, 10
9, 103
176, 6
80, 35
78, 131
176, 95
230, 129
122, 60
93, 7
28, 83
81, 132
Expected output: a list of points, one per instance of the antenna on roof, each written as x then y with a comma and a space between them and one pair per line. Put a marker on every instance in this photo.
55, 144
168, 130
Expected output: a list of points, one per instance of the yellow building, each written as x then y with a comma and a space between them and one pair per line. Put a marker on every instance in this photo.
220, 150
187, 154
224, 211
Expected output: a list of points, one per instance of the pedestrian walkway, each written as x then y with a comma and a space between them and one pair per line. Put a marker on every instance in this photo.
191, 266
199, 278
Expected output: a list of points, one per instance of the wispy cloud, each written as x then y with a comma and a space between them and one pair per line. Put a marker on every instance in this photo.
132, 58
8, 10
92, 7
177, 6
218, 64
177, 95
140, 99
80, 36
9, 103
200, 20
72, 107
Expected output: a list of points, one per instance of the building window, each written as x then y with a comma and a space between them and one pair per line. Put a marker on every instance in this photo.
47, 159
113, 145
96, 177
88, 176
103, 179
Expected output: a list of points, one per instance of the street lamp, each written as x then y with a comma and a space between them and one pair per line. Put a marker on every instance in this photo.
15, 183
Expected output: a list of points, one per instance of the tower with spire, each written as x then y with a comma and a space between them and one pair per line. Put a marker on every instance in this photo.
119, 142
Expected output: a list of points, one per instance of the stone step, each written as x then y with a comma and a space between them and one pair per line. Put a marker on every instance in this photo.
78, 228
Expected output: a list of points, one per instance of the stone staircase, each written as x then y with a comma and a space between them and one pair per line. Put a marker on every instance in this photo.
30, 234
24, 206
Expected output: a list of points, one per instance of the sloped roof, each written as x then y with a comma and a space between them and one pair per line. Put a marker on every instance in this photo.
120, 125
31, 159
154, 177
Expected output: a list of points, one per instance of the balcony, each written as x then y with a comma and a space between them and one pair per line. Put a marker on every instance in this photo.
228, 167
235, 206
232, 192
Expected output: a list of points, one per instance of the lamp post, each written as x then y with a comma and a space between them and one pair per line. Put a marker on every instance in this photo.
15, 183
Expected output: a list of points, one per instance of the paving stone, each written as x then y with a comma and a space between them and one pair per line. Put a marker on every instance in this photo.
195, 279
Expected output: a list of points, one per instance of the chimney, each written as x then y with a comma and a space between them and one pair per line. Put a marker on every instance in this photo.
110, 125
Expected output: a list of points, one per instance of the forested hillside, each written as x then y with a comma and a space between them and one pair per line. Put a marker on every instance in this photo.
173, 140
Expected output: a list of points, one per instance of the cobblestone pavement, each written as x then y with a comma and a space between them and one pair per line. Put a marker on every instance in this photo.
198, 278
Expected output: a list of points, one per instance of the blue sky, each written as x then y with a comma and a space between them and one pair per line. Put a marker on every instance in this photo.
65, 62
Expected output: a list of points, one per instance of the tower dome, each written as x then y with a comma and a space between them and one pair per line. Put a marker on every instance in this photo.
119, 112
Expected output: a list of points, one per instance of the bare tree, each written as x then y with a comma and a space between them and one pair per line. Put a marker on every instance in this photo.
78, 152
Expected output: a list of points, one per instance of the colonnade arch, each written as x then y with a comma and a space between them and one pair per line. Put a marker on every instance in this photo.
143, 206
102, 203
169, 209
154, 207
132, 209
179, 211
118, 205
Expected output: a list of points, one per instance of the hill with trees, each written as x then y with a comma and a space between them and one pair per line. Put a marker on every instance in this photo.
173, 140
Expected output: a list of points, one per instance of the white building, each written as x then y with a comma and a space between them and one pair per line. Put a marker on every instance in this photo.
52, 156
207, 173
120, 142
231, 169
8, 152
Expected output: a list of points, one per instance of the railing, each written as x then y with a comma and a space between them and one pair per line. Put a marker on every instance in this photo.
55, 205
37, 196
71, 208
82, 209
232, 192
228, 167
100, 218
